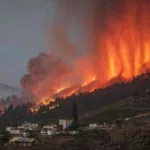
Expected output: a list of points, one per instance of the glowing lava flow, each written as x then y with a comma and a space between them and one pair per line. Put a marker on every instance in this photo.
121, 51
86, 83
59, 90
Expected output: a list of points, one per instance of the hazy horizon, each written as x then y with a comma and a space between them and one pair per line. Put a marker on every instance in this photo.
23, 35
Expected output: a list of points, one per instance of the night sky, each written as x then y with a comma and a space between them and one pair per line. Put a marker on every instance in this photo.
23, 34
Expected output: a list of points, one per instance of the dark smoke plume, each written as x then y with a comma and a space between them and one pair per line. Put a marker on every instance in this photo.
41, 69
118, 45
101, 17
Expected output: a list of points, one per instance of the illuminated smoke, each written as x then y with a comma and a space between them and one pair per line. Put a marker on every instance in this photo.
118, 47
119, 33
45, 73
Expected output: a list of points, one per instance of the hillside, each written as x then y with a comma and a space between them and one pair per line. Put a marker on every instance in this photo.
137, 106
119, 100
101, 99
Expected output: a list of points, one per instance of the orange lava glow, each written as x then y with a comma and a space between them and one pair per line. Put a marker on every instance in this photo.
89, 81
122, 50
45, 101
34, 110
125, 46
59, 90
52, 107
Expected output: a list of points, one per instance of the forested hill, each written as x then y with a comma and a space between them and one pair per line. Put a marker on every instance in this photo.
86, 102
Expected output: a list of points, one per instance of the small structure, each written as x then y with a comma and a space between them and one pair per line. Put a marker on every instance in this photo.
93, 125
52, 127
21, 140
47, 132
8, 129
44, 132
21, 130
73, 132
15, 131
65, 123
127, 119
25, 134
50, 132
28, 126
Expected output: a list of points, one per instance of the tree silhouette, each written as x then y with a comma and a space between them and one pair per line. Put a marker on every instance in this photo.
87, 102
74, 124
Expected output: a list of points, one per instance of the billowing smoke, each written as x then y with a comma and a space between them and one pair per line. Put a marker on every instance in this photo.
44, 74
118, 33
116, 39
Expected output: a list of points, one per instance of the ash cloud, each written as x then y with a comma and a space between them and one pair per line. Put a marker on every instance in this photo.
42, 69
112, 27
103, 21
95, 13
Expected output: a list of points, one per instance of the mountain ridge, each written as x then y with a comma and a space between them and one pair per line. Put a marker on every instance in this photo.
7, 90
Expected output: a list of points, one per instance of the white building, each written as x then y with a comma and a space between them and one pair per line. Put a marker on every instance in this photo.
50, 132
28, 126
65, 123
25, 134
48, 127
15, 132
21, 139
44, 132
8, 129
47, 132
93, 125
21, 129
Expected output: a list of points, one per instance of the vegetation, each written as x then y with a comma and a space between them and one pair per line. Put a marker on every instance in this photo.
74, 124
87, 103
4, 136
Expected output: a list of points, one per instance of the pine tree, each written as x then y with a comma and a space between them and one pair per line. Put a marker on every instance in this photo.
74, 116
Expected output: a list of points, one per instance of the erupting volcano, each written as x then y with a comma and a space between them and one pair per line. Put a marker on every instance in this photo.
118, 49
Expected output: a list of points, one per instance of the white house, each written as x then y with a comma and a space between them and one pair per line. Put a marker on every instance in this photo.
50, 132
47, 132
73, 132
44, 132
28, 126
15, 131
8, 129
65, 123
93, 125
48, 127
21, 139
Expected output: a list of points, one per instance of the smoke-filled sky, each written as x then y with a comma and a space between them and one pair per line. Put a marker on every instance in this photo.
23, 34
96, 26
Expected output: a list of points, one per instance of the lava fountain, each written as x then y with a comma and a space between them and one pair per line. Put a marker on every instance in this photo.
119, 47
124, 47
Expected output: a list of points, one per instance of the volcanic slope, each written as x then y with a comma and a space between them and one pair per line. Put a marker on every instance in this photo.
135, 107
91, 104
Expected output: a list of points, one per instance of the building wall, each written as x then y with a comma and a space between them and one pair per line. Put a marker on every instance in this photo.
64, 123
